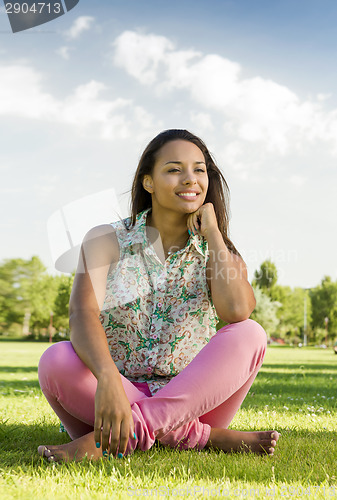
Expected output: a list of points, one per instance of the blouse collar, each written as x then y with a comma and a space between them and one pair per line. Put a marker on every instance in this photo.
137, 234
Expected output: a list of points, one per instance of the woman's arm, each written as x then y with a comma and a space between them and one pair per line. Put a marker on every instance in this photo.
99, 251
226, 273
232, 294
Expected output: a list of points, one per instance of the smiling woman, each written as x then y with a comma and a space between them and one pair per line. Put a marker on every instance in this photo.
145, 361
177, 142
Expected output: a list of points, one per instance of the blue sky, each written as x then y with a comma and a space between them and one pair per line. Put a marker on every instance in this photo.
81, 96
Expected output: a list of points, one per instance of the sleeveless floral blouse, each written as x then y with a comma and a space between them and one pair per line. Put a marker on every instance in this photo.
156, 316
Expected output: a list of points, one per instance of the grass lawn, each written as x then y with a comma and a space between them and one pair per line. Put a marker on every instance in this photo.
294, 393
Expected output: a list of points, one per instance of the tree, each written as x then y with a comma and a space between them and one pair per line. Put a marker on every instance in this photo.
41, 294
324, 305
26, 288
291, 311
61, 304
14, 303
266, 276
265, 311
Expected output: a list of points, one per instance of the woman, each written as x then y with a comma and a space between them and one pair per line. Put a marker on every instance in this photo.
145, 361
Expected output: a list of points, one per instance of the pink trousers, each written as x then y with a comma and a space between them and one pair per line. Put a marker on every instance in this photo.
207, 393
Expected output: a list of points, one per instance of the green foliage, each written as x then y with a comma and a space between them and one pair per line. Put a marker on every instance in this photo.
26, 289
18, 279
266, 276
265, 311
291, 312
291, 306
41, 294
324, 304
61, 304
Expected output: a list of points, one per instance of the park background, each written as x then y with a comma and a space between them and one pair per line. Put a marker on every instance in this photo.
81, 96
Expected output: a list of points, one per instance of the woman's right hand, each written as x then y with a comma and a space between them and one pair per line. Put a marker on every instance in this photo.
113, 416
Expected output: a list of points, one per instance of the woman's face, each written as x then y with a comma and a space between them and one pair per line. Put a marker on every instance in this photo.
180, 168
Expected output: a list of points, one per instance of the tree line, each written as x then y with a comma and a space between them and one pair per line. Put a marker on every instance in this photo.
33, 302
36, 304
295, 315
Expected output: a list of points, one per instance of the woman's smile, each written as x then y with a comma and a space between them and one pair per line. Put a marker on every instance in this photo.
188, 195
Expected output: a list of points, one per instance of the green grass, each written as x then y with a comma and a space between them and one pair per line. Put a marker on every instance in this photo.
295, 393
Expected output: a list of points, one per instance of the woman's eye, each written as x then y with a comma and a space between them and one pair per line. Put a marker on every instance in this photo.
176, 170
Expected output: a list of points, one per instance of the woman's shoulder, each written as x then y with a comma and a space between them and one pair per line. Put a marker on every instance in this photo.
122, 231
108, 229
101, 240
99, 231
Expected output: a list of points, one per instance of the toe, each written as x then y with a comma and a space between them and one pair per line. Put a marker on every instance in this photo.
42, 450
47, 453
266, 448
274, 436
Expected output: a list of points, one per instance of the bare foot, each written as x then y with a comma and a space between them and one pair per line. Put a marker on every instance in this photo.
262, 443
75, 450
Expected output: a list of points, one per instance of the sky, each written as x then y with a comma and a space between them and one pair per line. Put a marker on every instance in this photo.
82, 95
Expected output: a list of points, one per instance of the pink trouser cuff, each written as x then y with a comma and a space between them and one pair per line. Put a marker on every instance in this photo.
204, 437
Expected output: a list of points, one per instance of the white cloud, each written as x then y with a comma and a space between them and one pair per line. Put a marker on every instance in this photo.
80, 24
323, 97
141, 55
63, 52
83, 108
211, 80
21, 93
254, 110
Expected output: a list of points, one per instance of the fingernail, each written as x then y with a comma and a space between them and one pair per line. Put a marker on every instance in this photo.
98, 445
105, 453
120, 455
134, 436
189, 232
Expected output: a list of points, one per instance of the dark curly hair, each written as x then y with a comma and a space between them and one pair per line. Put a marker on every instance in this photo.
217, 193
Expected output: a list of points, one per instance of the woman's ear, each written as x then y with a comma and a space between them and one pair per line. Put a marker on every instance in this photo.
147, 183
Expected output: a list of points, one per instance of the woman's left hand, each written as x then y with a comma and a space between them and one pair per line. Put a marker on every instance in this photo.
203, 220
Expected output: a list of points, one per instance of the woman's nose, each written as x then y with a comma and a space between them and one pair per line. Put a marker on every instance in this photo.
190, 179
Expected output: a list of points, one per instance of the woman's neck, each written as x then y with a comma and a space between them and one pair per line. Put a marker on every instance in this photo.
171, 227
